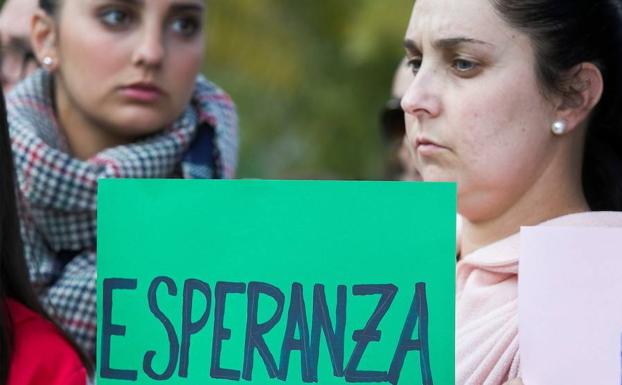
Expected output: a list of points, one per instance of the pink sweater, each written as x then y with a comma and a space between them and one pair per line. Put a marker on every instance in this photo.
487, 305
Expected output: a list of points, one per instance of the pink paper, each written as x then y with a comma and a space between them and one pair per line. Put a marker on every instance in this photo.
570, 306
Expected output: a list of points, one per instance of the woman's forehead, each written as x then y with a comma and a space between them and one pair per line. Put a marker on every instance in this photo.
147, 3
434, 20
156, 7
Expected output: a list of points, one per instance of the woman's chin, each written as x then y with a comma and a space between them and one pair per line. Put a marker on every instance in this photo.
140, 125
437, 177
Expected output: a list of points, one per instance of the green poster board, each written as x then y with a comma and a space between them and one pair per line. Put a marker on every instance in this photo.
272, 282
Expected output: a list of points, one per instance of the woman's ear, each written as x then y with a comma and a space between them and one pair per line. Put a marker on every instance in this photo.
44, 40
584, 88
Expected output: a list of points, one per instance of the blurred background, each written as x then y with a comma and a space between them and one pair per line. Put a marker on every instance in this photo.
309, 79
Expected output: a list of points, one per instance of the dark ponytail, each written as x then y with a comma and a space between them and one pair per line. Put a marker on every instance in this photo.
566, 33
14, 277
14, 280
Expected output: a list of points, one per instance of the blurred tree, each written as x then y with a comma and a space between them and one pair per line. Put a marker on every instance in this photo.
309, 79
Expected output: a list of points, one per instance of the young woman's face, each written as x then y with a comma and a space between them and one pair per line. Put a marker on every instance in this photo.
129, 66
474, 111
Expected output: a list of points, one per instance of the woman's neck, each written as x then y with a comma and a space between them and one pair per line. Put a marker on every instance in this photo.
479, 234
558, 192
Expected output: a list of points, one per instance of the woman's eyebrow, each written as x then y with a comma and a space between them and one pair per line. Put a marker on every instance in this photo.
444, 44
188, 6
176, 5
133, 2
453, 42
411, 47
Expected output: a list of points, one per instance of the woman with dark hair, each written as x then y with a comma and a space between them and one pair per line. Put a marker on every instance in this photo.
32, 349
519, 101
119, 96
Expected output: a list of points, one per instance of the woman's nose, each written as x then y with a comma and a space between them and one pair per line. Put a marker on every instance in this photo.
150, 51
422, 98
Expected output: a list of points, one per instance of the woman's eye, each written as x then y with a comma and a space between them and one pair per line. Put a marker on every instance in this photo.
186, 26
462, 65
115, 18
415, 64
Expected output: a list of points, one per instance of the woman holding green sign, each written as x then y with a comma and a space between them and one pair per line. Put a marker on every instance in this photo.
119, 96
520, 102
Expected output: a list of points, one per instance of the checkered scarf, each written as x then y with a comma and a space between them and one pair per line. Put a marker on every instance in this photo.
58, 193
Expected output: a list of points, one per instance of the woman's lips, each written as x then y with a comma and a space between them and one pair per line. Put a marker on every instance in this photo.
427, 147
142, 93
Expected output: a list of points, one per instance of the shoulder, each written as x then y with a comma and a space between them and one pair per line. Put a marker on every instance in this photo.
41, 355
217, 108
31, 94
207, 89
588, 219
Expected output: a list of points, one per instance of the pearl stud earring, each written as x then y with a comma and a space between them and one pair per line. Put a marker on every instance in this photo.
48, 62
559, 127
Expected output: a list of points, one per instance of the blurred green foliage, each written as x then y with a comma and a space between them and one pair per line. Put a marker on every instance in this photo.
309, 79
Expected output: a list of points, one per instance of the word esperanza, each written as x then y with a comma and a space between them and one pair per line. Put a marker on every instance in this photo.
308, 342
